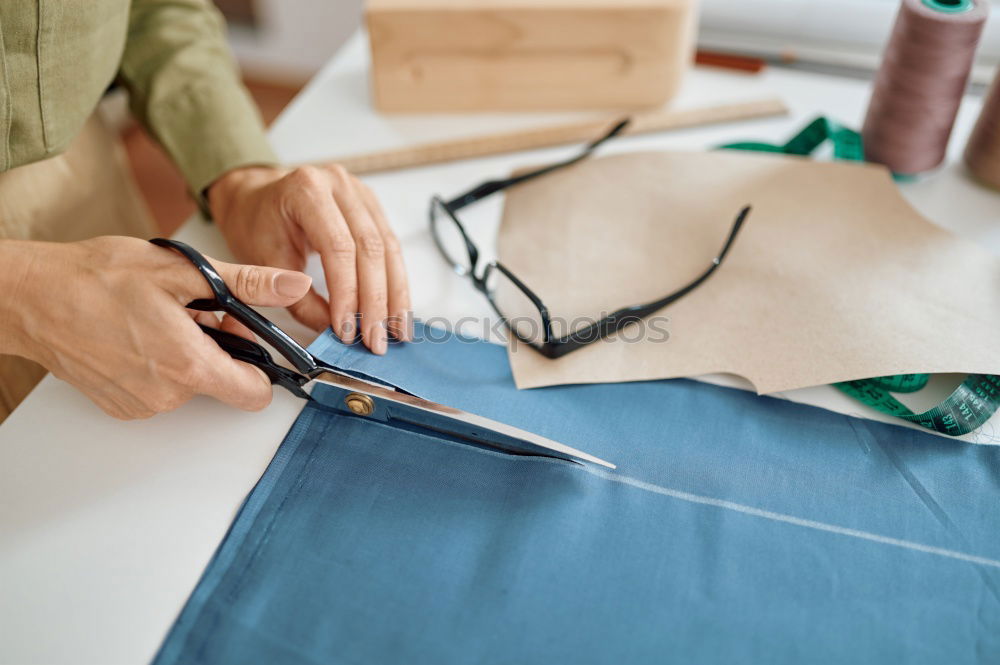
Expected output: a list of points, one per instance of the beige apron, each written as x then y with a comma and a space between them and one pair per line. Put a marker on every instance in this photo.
87, 191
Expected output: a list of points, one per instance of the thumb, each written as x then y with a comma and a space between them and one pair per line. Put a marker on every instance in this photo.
263, 286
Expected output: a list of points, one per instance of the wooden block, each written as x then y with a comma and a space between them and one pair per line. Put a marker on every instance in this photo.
490, 55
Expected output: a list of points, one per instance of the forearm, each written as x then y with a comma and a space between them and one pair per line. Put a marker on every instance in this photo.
17, 258
184, 86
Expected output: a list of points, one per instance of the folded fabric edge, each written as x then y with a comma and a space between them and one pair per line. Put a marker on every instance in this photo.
243, 521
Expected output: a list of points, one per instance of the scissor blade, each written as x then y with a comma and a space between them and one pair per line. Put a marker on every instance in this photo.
388, 404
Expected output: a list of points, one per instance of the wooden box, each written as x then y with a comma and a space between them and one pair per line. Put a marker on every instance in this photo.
505, 55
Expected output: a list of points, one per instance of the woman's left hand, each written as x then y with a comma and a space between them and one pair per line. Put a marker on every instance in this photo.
276, 217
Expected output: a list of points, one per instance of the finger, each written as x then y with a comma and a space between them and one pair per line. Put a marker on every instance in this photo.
231, 325
328, 233
255, 285
208, 319
373, 296
235, 383
125, 403
397, 283
120, 409
313, 311
264, 286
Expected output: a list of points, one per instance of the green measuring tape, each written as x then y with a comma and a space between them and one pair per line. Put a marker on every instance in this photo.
846, 143
976, 399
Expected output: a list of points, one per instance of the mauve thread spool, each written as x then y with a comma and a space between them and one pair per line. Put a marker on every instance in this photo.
924, 73
982, 152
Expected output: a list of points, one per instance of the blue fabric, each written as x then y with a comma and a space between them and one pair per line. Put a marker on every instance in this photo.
737, 529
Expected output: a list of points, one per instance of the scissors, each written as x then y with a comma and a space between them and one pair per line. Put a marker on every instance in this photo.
351, 395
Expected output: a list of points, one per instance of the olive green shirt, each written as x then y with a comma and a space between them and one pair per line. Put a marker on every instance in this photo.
58, 57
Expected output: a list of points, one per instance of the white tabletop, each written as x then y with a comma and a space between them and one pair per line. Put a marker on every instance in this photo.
105, 527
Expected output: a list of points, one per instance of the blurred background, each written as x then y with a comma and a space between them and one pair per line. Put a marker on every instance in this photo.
281, 44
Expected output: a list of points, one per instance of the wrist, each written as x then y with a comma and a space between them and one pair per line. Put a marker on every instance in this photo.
17, 258
225, 190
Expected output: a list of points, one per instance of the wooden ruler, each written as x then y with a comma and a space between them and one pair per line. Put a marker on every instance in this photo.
542, 137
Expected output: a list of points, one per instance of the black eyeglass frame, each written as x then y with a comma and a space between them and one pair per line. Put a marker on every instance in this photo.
551, 346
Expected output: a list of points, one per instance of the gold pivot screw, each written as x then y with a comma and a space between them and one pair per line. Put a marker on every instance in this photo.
362, 405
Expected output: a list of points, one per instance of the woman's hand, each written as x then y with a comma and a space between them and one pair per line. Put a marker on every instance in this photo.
108, 316
275, 217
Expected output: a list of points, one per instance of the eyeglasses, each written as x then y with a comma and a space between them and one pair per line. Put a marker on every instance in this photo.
523, 312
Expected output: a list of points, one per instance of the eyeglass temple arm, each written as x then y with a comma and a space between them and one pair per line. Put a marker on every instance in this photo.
616, 320
493, 186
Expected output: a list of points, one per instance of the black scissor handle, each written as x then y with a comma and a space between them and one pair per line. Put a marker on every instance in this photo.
255, 354
225, 301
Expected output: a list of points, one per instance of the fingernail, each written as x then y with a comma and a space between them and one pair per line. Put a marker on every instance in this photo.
407, 327
402, 332
399, 327
379, 344
292, 284
346, 331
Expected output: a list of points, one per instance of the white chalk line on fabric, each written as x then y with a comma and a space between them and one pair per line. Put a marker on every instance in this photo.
790, 519
737, 507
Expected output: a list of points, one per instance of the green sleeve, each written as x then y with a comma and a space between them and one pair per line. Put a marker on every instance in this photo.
185, 88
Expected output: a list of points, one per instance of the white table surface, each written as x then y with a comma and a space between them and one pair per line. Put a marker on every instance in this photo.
105, 527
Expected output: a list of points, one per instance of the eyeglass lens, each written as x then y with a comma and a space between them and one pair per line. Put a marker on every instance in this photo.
522, 315
449, 238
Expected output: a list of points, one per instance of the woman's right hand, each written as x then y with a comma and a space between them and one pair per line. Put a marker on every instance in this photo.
108, 316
